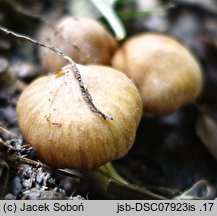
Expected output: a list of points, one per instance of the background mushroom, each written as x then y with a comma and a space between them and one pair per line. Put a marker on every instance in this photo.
85, 40
63, 129
165, 72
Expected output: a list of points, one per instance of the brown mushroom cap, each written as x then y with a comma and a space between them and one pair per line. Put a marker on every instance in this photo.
54, 118
85, 40
165, 72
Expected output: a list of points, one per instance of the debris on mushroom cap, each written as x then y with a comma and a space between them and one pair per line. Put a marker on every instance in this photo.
54, 118
85, 40
165, 72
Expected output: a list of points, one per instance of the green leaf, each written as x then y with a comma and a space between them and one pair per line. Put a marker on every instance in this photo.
106, 8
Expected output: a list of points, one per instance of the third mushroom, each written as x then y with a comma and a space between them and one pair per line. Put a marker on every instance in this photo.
165, 72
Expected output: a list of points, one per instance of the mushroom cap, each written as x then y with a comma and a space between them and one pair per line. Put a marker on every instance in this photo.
85, 40
54, 118
165, 72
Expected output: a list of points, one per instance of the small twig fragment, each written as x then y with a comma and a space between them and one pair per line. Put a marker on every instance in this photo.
85, 93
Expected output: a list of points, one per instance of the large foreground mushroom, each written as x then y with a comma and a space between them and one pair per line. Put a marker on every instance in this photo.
54, 118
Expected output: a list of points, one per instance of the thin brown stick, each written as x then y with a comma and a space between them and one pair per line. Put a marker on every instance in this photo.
22, 159
84, 90
33, 163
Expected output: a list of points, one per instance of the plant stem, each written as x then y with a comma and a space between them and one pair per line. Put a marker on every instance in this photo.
107, 182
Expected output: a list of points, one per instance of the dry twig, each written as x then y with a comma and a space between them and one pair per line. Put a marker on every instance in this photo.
84, 90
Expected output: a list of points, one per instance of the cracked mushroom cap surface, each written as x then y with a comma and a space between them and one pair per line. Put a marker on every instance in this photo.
56, 120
